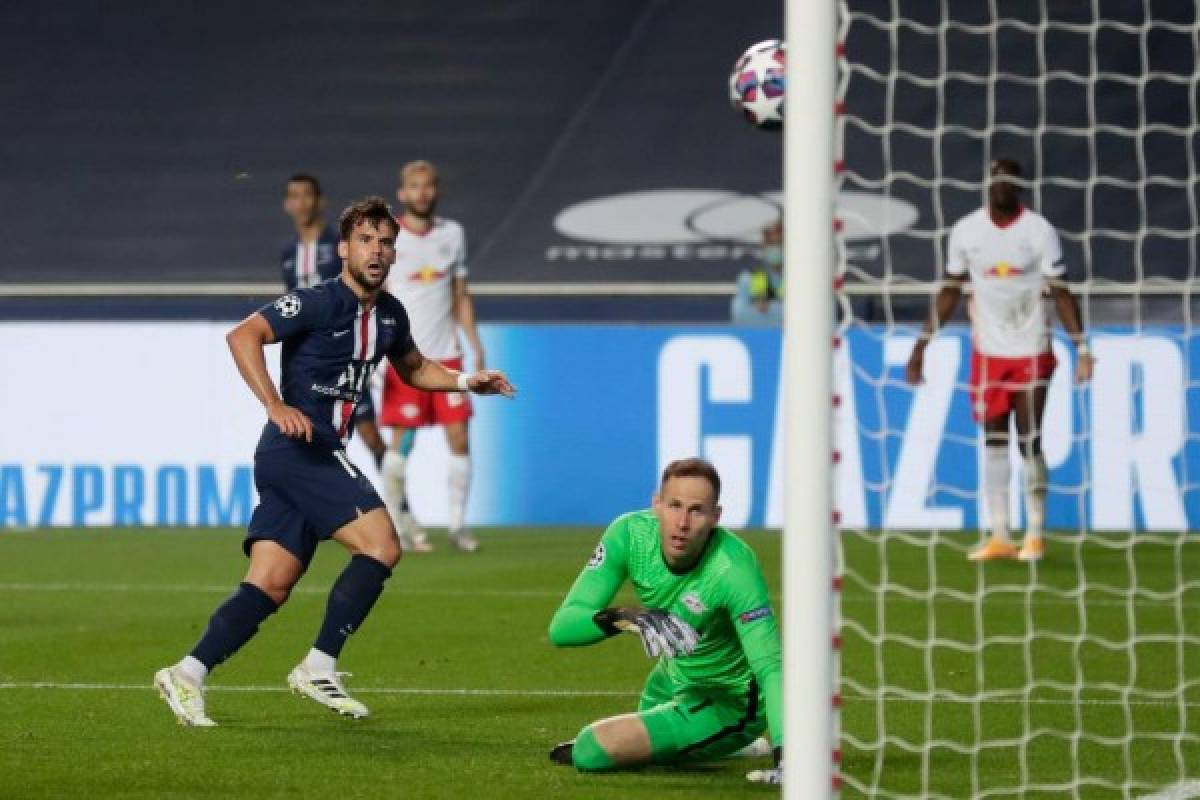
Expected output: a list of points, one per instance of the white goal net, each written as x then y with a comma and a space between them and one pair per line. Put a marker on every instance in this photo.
1078, 676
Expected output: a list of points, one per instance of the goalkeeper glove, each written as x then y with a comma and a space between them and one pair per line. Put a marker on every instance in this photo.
661, 632
773, 776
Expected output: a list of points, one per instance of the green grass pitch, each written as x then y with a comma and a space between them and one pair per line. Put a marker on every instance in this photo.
467, 696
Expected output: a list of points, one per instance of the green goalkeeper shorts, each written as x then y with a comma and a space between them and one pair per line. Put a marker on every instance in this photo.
698, 724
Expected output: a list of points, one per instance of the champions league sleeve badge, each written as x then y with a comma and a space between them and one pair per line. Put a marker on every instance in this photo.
288, 306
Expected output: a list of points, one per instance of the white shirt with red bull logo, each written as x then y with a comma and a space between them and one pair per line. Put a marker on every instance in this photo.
422, 278
1007, 265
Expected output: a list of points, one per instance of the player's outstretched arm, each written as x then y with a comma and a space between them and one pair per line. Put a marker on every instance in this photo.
246, 342
422, 373
943, 307
586, 618
749, 606
574, 623
1067, 306
464, 313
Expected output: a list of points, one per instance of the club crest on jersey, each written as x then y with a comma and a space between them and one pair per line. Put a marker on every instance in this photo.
1004, 269
694, 603
425, 275
597, 557
288, 306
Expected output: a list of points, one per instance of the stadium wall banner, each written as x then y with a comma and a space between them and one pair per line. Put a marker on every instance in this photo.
149, 424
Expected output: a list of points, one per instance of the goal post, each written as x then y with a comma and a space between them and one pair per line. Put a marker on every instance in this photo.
808, 544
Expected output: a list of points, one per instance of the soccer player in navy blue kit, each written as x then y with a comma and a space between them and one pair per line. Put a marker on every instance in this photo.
334, 334
311, 258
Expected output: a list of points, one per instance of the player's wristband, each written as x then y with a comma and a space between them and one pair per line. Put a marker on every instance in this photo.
464, 382
1082, 349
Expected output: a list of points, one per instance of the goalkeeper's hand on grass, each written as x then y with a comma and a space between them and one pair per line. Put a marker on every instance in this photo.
661, 632
773, 776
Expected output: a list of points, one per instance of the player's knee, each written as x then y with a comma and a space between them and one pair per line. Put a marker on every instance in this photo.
274, 586
386, 551
588, 755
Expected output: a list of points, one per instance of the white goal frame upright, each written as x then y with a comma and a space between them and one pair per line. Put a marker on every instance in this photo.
808, 543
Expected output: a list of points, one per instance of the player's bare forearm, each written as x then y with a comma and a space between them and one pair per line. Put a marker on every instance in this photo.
464, 314
246, 342
944, 305
1067, 306
423, 373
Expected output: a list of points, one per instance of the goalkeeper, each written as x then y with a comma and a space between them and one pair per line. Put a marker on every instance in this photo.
718, 681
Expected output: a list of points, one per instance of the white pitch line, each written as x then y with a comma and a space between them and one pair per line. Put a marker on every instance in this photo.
501, 692
1013, 701
1184, 790
409, 690
854, 600
169, 588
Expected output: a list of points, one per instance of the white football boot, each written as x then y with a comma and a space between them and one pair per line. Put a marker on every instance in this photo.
412, 536
759, 748
464, 541
185, 698
327, 689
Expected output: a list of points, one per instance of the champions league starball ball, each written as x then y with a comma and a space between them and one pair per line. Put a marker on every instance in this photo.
757, 82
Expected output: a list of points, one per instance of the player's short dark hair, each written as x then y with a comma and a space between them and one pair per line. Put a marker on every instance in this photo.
1005, 166
311, 180
373, 209
693, 468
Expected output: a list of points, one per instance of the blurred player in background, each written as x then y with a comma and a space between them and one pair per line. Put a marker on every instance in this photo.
312, 258
1010, 254
333, 335
758, 298
430, 278
718, 681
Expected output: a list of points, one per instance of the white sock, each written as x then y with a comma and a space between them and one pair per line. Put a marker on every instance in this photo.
459, 478
996, 472
193, 669
393, 475
1035, 495
321, 663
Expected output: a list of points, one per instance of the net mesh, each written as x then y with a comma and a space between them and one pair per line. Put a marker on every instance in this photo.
1078, 676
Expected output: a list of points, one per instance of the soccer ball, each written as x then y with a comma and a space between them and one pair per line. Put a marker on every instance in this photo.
757, 82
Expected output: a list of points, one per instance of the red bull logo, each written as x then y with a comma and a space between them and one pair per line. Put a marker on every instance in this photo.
1003, 269
426, 274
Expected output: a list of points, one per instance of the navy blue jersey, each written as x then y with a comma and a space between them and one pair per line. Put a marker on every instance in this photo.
306, 265
330, 347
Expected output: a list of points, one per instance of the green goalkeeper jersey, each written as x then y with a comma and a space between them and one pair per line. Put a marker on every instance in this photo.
724, 597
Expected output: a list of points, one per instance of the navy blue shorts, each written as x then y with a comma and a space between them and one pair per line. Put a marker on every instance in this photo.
306, 493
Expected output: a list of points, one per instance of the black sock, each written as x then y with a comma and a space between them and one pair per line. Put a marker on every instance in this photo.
350, 600
232, 624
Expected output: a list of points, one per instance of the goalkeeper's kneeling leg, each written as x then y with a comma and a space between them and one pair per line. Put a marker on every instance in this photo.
588, 755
